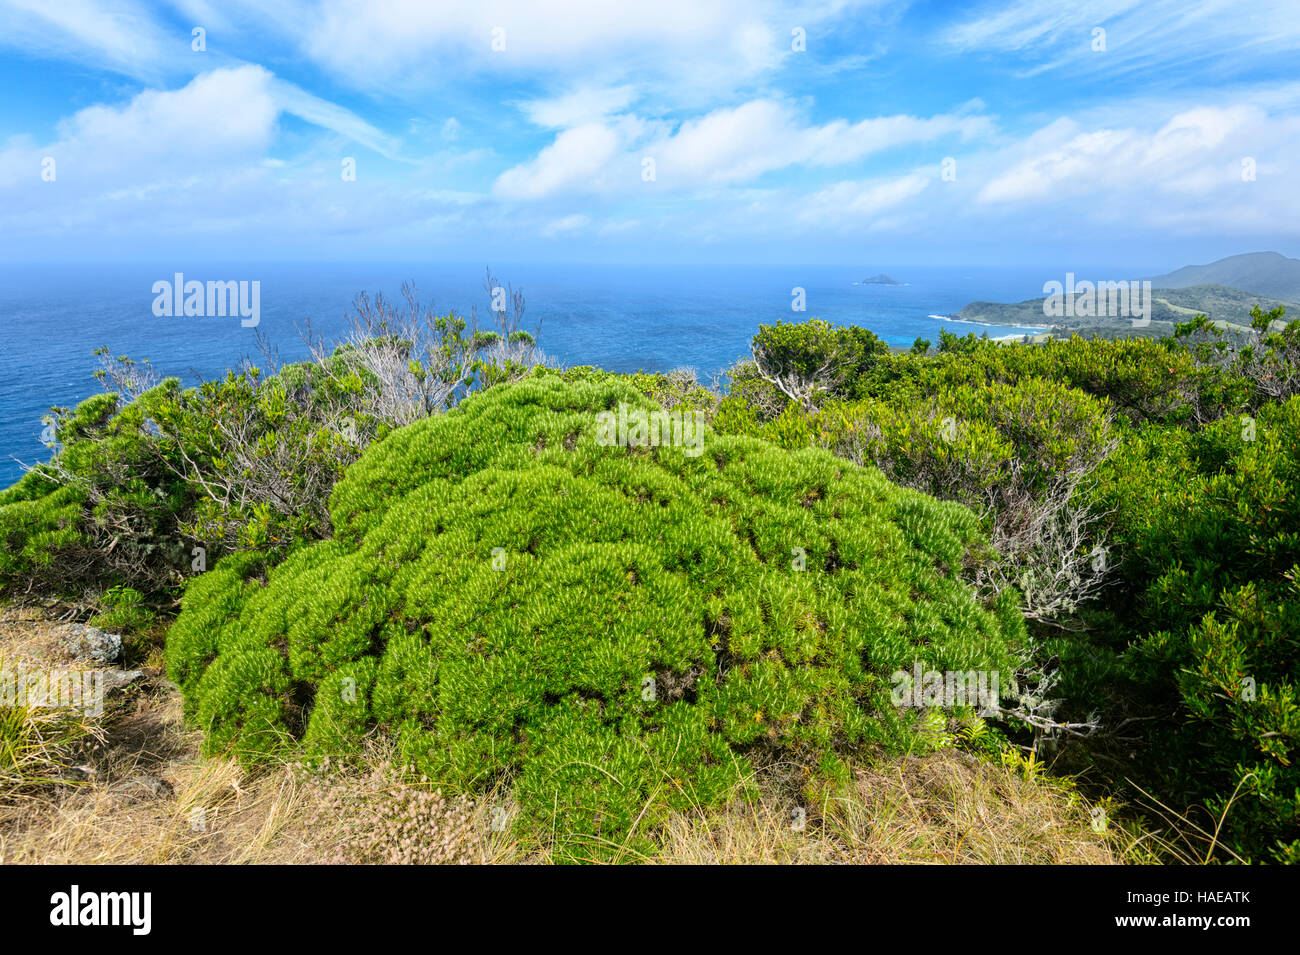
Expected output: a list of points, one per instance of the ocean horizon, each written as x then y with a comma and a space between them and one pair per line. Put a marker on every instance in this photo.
618, 317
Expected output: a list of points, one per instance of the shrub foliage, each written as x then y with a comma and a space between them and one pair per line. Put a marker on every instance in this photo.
1160, 476
618, 631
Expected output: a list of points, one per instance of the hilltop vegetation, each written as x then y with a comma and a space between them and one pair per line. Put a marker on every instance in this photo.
1143, 497
441, 550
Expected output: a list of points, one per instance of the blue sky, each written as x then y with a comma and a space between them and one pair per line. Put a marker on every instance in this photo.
1089, 132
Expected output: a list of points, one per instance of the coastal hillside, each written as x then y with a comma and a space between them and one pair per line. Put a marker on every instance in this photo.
1230, 307
1224, 291
602, 609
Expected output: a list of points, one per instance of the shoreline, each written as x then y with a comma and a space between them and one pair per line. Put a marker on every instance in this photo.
1029, 329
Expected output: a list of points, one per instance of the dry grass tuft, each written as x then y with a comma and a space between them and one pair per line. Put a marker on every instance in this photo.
942, 808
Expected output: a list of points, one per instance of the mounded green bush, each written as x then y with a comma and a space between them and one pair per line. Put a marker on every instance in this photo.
615, 631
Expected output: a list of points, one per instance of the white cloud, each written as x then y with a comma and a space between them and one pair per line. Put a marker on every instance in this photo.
576, 156
218, 117
1165, 174
126, 39
175, 166
723, 147
567, 225
693, 84
1063, 160
582, 105
328, 115
858, 204
682, 49
1036, 24
222, 118
122, 37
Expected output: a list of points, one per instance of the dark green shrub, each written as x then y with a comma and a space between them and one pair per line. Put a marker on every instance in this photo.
1188, 663
242, 462
1209, 523
102, 511
810, 361
1263, 360
147, 472
123, 609
1016, 454
616, 631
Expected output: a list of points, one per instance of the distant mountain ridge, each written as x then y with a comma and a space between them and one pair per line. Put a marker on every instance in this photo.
1263, 273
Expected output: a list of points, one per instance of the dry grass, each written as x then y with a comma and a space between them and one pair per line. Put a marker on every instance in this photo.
214, 813
148, 797
945, 808
38, 743
135, 790
165, 804
28, 635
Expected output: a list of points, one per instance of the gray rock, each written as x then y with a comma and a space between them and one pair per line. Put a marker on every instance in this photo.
90, 644
141, 787
119, 679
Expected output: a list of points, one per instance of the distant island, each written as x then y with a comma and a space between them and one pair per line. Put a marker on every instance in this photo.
881, 279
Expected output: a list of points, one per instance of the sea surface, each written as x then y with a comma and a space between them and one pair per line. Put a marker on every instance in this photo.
621, 318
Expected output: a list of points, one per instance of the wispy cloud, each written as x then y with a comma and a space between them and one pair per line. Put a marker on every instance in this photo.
124, 37
327, 115
1148, 36
129, 38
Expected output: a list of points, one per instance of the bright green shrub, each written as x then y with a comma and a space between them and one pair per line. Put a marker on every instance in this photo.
1016, 454
679, 388
37, 530
617, 631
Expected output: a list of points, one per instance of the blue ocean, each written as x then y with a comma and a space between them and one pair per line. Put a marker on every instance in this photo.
621, 318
